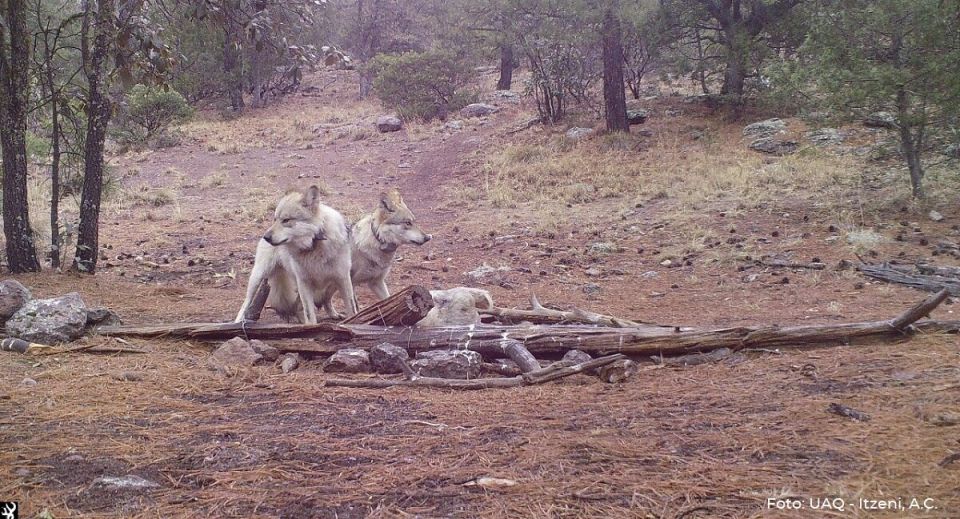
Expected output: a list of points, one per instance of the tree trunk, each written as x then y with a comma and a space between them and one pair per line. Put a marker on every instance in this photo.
99, 109
614, 98
506, 67
232, 62
50, 86
910, 143
14, 96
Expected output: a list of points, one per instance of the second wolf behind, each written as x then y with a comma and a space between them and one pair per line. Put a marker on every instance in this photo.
376, 238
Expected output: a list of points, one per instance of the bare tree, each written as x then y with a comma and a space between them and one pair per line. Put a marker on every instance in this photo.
614, 98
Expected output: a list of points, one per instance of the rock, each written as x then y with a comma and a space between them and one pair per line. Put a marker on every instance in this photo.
290, 362
123, 482
505, 95
389, 123
127, 376
461, 364
478, 110
454, 125
102, 317
825, 136
233, 354
456, 307
637, 116
880, 120
773, 146
29, 382
764, 128
645, 133
576, 356
952, 151
605, 247
348, 360
387, 358
12, 296
935, 216
483, 270
591, 289
592, 272
50, 321
577, 134
673, 112
268, 352
650, 274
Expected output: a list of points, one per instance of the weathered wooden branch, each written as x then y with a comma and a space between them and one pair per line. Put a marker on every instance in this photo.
791, 264
518, 353
538, 314
928, 282
405, 308
540, 376
225, 331
694, 359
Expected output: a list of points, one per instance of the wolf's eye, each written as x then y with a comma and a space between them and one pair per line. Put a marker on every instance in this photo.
286, 221
408, 223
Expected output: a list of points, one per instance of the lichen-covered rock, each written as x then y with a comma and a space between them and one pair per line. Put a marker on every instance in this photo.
461, 364
774, 146
268, 352
576, 356
388, 358
348, 360
764, 128
102, 317
579, 134
12, 296
637, 116
50, 321
880, 120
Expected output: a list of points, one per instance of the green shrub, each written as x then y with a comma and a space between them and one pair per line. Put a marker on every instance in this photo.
423, 85
153, 109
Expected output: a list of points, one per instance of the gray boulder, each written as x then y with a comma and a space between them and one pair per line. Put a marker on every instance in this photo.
290, 362
952, 151
764, 128
389, 123
387, 358
579, 134
637, 116
12, 296
576, 356
825, 136
348, 360
461, 364
232, 354
880, 120
773, 146
478, 110
50, 321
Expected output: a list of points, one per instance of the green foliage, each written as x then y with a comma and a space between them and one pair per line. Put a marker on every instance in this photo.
423, 85
154, 109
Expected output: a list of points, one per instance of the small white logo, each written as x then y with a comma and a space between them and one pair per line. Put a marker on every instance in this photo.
9, 510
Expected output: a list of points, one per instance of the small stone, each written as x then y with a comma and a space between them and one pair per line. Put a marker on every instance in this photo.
764, 128
389, 123
773, 146
268, 352
880, 120
577, 134
290, 362
454, 125
234, 353
603, 247
478, 110
29, 382
127, 376
592, 272
591, 289
576, 356
348, 360
935, 216
123, 482
637, 116
388, 358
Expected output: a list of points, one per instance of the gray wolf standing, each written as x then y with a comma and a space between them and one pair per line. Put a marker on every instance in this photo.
305, 256
376, 238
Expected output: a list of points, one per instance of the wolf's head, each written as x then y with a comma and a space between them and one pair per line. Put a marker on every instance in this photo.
395, 224
296, 222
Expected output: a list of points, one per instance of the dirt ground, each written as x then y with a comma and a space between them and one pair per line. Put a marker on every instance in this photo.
707, 441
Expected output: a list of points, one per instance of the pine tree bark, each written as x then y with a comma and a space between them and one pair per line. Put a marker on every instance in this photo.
232, 60
614, 97
99, 109
506, 67
14, 97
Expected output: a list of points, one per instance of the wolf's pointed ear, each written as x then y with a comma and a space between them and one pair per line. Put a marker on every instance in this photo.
311, 198
387, 203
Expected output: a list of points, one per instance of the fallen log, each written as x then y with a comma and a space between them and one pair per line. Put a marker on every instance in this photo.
405, 308
520, 354
540, 376
539, 314
928, 282
487, 339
